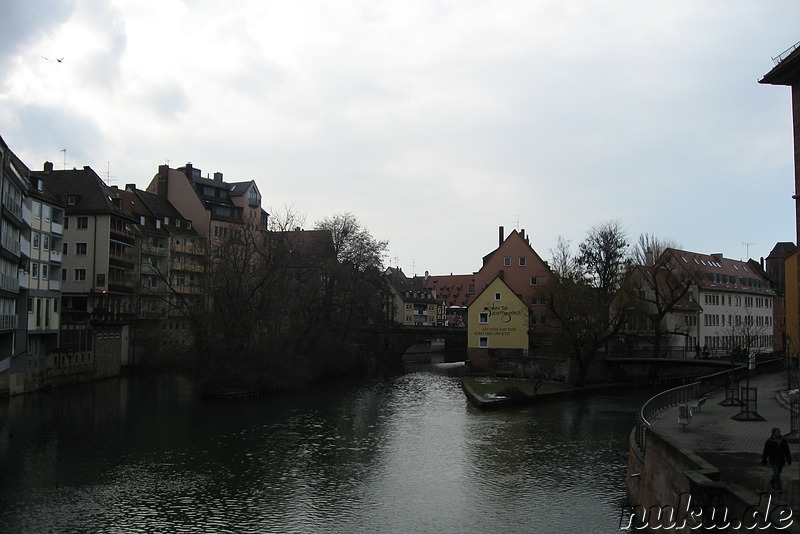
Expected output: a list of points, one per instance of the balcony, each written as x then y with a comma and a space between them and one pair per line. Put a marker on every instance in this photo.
13, 206
55, 256
11, 245
8, 322
123, 262
27, 216
125, 238
25, 246
9, 283
156, 251
57, 228
24, 279
54, 285
188, 267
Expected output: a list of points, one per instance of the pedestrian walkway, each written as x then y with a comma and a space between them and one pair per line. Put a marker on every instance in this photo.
735, 446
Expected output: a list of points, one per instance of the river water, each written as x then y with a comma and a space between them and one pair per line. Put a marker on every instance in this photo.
400, 455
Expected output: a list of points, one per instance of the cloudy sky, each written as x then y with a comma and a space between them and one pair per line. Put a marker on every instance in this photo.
433, 121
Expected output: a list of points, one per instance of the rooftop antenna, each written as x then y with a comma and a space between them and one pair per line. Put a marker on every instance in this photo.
64, 150
516, 223
109, 178
747, 245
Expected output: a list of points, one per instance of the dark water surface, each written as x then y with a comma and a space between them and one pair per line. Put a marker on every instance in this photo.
402, 455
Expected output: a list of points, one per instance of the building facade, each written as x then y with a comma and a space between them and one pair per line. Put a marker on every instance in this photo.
14, 225
722, 306
96, 274
411, 303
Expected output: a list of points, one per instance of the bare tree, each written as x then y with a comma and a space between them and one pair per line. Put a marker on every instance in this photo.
353, 243
649, 248
660, 289
583, 296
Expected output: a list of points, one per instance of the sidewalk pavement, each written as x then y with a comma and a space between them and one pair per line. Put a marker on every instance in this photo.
733, 446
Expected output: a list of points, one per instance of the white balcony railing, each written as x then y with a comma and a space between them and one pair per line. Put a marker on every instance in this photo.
9, 283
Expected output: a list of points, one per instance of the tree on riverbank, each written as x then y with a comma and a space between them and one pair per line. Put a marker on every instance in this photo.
279, 307
584, 297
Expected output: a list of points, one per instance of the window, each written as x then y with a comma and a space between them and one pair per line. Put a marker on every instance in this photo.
507, 261
47, 211
497, 297
483, 318
37, 210
80, 275
483, 342
253, 197
45, 271
64, 248
36, 237
46, 242
72, 199
534, 281
522, 261
80, 249
63, 275
34, 270
83, 223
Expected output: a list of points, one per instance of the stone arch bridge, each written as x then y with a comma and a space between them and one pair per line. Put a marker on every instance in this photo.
395, 340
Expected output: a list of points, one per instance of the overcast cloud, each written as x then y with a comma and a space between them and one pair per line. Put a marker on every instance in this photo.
434, 122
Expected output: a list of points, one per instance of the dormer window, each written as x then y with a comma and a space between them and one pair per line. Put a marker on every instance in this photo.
253, 197
72, 199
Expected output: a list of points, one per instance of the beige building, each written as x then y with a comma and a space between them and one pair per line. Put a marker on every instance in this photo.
217, 209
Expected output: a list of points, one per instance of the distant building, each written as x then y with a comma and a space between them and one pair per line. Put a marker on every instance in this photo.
727, 305
217, 209
524, 271
776, 264
497, 331
411, 303
454, 291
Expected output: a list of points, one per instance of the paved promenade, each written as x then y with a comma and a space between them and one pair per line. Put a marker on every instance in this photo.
734, 446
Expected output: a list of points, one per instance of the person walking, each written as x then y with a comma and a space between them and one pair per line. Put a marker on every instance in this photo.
776, 452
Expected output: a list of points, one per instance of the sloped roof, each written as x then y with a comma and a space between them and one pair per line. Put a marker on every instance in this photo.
714, 272
787, 69
452, 289
93, 196
410, 289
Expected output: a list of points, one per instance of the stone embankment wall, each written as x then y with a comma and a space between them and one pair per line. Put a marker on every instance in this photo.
674, 490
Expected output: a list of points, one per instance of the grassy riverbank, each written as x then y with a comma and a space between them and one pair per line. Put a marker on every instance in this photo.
493, 392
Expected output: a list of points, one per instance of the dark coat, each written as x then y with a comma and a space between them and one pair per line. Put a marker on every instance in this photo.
776, 452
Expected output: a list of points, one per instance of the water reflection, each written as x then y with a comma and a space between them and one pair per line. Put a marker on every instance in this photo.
406, 454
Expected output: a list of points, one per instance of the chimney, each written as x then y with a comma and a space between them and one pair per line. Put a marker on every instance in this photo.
217, 176
522, 234
130, 187
48, 167
649, 259
162, 184
502, 235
